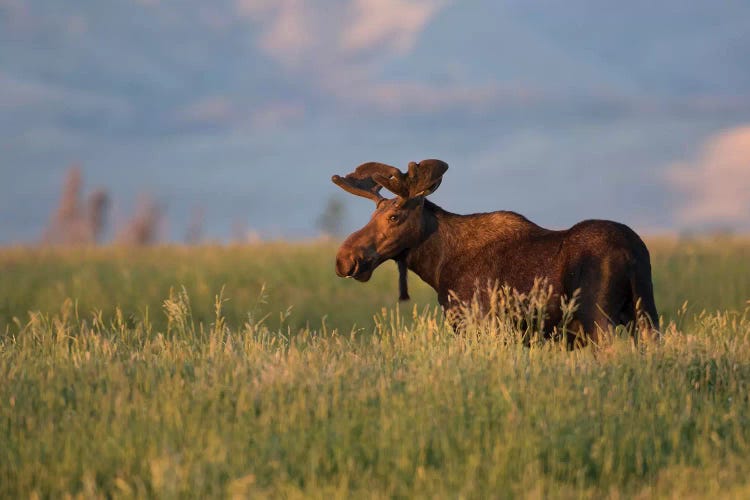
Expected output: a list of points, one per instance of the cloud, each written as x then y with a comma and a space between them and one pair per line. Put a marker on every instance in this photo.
15, 15
421, 97
25, 94
340, 46
335, 37
390, 24
346, 51
716, 185
222, 111
13, 7
288, 28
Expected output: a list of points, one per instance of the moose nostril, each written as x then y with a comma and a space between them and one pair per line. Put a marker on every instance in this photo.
345, 268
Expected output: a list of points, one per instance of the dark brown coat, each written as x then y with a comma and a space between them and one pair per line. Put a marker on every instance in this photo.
460, 255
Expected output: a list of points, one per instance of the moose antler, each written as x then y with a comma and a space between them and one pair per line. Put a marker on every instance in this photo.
422, 179
368, 178
425, 177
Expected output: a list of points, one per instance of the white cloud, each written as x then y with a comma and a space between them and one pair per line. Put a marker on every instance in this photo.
337, 36
339, 46
295, 33
716, 185
387, 24
288, 27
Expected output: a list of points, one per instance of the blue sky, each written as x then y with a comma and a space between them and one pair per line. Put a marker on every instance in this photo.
635, 111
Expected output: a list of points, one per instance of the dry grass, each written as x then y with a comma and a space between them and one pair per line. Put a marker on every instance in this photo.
187, 394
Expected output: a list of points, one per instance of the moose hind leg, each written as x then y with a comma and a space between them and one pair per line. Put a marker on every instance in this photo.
605, 293
594, 322
645, 315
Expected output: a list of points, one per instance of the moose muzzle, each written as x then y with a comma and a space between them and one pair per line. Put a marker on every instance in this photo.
355, 260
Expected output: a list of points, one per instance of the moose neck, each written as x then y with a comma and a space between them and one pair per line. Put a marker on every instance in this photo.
442, 232
449, 239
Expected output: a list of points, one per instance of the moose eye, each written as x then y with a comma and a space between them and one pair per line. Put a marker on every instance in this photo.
393, 218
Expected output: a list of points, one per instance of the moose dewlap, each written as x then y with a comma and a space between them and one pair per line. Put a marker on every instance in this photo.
459, 255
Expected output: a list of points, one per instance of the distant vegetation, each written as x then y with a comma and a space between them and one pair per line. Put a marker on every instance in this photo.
76, 222
82, 219
331, 221
239, 371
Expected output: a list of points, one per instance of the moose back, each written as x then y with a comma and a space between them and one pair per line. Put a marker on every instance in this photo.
607, 262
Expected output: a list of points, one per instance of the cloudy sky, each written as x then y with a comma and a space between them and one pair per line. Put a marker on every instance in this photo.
242, 109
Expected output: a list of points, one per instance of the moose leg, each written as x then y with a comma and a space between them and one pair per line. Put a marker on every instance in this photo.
646, 317
595, 317
605, 293
575, 335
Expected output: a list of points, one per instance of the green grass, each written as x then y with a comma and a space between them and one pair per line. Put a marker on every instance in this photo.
300, 277
708, 274
186, 395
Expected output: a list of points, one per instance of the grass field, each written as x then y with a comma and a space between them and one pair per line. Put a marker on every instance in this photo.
254, 371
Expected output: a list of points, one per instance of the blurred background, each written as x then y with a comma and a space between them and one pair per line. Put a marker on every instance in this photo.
148, 120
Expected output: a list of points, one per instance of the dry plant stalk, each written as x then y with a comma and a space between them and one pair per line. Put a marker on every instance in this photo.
143, 228
73, 223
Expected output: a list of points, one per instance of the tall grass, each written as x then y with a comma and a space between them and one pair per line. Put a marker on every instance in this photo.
170, 395
136, 280
102, 408
711, 275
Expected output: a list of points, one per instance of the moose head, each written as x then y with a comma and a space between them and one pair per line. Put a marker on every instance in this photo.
397, 223
603, 263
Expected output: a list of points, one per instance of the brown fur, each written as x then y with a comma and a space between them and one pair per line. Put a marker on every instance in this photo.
460, 255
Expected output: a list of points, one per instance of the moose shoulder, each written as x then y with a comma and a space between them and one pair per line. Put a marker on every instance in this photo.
458, 254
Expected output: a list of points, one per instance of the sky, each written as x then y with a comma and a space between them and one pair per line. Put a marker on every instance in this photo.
243, 109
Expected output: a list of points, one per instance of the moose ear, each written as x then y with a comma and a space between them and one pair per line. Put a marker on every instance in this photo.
425, 177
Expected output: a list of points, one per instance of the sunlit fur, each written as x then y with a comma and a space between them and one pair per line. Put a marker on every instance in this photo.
461, 255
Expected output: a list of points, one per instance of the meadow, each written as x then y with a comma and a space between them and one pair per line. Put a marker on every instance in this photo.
253, 371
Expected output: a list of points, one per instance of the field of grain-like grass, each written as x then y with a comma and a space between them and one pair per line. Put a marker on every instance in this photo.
254, 371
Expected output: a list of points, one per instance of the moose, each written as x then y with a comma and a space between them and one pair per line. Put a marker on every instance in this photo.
606, 263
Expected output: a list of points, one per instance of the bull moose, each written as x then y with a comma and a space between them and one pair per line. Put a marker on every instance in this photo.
607, 262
